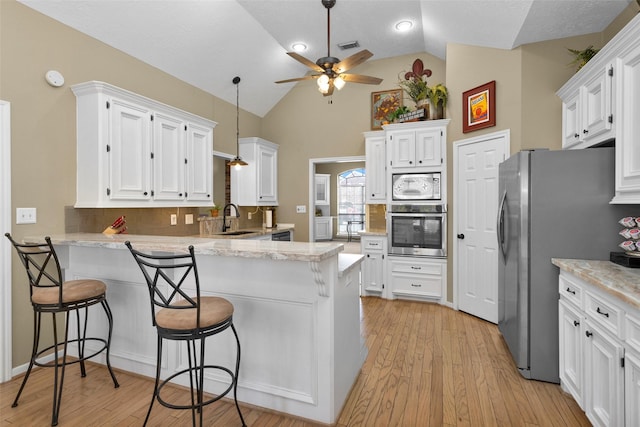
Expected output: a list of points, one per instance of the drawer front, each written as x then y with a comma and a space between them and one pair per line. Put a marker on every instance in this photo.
417, 268
417, 285
571, 291
373, 244
604, 313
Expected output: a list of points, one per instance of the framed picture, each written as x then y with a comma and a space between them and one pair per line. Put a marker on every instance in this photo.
382, 104
479, 107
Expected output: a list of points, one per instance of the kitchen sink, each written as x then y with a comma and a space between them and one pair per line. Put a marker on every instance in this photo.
235, 233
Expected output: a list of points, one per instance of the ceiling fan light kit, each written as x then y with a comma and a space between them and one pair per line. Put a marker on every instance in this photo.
331, 72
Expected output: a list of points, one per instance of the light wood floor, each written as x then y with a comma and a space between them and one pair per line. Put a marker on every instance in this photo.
428, 365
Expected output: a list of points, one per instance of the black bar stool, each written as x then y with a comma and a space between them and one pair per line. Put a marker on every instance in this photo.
51, 294
178, 316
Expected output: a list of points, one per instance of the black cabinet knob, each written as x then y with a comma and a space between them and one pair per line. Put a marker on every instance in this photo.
588, 334
460, 236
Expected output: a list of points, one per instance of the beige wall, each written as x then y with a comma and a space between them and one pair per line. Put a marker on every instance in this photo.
303, 123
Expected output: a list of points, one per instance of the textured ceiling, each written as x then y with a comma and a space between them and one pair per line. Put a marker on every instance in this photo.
207, 42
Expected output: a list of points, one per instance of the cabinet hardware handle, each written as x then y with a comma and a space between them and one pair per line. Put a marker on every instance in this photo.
180, 194
576, 323
575, 135
410, 162
602, 312
145, 193
416, 286
420, 161
588, 334
571, 291
413, 267
368, 256
585, 131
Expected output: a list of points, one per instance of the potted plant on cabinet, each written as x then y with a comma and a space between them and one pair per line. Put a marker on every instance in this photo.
438, 95
415, 85
215, 210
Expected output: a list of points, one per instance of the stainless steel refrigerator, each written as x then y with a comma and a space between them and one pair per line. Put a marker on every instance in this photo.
552, 204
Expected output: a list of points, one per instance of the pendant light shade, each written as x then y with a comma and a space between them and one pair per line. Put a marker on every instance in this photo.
237, 161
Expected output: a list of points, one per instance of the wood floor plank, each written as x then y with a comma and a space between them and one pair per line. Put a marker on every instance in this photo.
428, 365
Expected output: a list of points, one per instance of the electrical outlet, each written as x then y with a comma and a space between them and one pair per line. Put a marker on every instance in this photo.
249, 215
301, 209
174, 219
188, 219
25, 215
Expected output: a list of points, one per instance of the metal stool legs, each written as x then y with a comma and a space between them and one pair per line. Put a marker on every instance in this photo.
59, 367
196, 380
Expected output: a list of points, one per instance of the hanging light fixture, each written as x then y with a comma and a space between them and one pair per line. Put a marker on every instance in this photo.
237, 161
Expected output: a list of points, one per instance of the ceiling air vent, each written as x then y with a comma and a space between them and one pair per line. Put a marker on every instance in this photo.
348, 45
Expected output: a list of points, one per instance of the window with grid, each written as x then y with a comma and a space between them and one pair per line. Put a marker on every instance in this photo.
351, 202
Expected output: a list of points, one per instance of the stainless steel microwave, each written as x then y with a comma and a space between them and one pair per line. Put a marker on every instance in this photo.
415, 186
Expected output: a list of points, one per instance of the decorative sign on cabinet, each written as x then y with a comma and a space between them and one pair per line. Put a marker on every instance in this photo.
136, 152
257, 183
601, 102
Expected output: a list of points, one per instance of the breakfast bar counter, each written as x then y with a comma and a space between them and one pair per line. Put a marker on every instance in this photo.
296, 313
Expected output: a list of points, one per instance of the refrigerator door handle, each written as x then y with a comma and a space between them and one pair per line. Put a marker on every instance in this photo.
500, 226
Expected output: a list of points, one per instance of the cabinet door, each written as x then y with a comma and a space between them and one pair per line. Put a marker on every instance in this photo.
429, 148
375, 178
322, 189
267, 175
168, 158
373, 271
571, 353
627, 146
129, 151
571, 122
632, 390
324, 229
403, 148
604, 402
596, 108
199, 163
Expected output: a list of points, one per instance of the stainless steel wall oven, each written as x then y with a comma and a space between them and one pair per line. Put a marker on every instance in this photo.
418, 230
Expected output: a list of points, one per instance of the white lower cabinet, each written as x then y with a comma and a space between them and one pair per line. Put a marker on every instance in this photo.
598, 366
324, 228
374, 249
416, 277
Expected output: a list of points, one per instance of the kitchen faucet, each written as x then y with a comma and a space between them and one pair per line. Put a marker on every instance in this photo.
224, 216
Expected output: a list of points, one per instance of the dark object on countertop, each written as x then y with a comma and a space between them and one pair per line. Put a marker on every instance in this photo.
624, 260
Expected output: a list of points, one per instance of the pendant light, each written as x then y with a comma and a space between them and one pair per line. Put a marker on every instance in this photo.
237, 161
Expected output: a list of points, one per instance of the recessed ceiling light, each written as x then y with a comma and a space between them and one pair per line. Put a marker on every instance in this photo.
404, 25
299, 47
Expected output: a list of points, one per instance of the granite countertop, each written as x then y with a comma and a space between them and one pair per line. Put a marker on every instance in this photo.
621, 282
267, 249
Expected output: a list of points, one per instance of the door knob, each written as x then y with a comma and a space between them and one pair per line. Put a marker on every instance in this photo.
460, 236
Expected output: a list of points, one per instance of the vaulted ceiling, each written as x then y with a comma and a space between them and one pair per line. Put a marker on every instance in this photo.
207, 42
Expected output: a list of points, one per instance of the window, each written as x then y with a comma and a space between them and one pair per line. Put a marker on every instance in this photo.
351, 202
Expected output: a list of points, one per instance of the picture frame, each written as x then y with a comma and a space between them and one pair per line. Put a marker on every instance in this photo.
479, 107
382, 104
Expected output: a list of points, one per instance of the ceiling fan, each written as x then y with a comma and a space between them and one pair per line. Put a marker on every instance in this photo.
332, 71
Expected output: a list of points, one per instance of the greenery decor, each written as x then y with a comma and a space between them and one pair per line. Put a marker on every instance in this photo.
438, 95
415, 82
393, 116
581, 57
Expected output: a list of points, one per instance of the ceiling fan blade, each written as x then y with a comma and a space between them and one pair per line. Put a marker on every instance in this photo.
352, 61
358, 78
305, 61
297, 79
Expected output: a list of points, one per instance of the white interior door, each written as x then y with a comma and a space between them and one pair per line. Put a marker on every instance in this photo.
476, 163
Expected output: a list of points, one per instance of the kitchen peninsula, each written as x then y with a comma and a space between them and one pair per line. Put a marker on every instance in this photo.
296, 312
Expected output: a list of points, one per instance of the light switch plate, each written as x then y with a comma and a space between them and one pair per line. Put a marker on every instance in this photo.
301, 209
25, 215
188, 219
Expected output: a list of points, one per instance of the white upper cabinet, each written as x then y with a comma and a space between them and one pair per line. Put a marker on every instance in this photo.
416, 145
375, 164
587, 113
257, 183
323, 190
602, 102
136, 152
